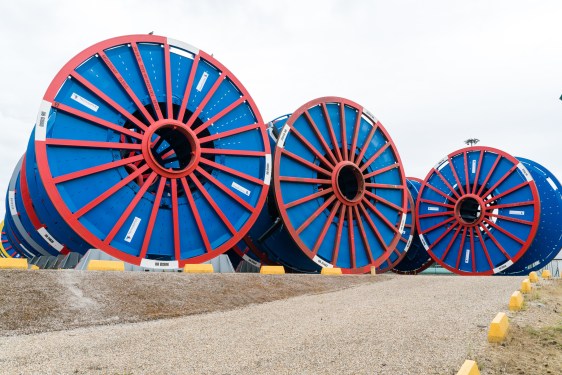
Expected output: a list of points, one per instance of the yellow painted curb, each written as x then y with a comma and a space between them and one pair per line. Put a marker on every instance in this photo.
105, 265
498, 328
546, 274
33, 267
198, 268
13, 263
331, 271
533, 277
516, 301
272, 270
469, 368
526, 286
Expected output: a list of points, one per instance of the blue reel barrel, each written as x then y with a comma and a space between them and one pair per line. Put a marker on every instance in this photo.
148, 149
339, 190
6, 248
548, 240
478, 211
416, 258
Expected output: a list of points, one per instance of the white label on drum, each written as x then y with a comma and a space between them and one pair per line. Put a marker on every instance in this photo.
41, 122
467, 255
159, 264
402, 223
549, 180
503, 266
85, 102
409, 242
12, 202
132, 229
47, 236
514, 212
473, 166
202, 81
422, 239
441, 163
267, 178
321, 262
253, 262
525, 172
283, 136
240, 188
433, 208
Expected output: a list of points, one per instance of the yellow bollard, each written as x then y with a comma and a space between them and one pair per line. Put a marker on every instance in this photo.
13, 263
198, 268
498, 328
546, 274
516, 301
272, 270
526, 286
469, 368
331, 271
373, 270
105, 265
533, 277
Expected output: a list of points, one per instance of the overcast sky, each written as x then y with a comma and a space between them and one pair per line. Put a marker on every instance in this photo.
433, 72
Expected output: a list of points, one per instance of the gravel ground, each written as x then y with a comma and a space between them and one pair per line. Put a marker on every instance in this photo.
403, 325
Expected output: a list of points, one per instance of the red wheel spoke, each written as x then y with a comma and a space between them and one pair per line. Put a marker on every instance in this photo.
384, 201
375, 156
231, 171
320, 137
477, 176
450, 244
130, 208
81, 212
485, 249
503, 217
203, 104
167, 69
311, 148
314, 216
428, 201
92, 144
331, 131
351, 237
228, 133
443, 235
449, 186
385, 186
226, 190
219, 115
382, 170
510, 235
308, 198
223, 151
212, 202
175, 219
381, 216
336, 249
305, 162
303, 180
449, 198
492, 169
455, 175
343, 130
498, 182
373, 226
188, 87
366, 144
467, 181
363, 234
438, 225
509, 205
97, 169
495, 241
327, 224
461, 246
152, 219
355, 135
509, 191
443, 213
146, 79
108, 100
125, 86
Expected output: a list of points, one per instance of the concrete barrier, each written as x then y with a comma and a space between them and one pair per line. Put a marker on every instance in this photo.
272, 270
13, 263
106, 265
199, 268
498, 328
526, 286
533, 277
516, 301
469, 368
546, 274
331, 271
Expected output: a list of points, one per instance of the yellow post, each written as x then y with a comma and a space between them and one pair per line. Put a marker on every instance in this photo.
272, 270
13, 263
105, 265
526, 286
331, 271
498, 328
516, 301
469, 368
373, 270
533, 277
198, 268
546, 274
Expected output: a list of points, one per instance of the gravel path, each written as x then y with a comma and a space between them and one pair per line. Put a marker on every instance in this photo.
404, 325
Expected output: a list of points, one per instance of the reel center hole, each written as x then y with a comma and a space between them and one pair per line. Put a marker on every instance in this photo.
469, 210
173, 148
350, 182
